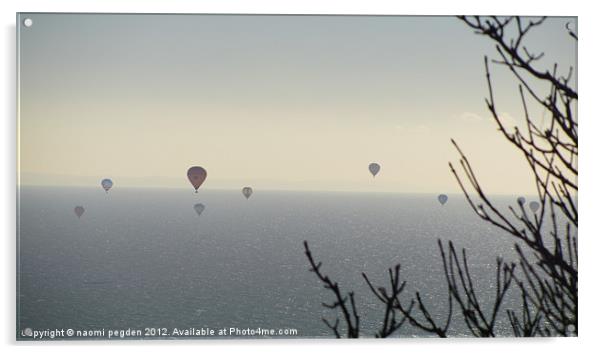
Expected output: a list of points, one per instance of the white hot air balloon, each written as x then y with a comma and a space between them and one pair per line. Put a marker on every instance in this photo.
79, 211
534, 206
106, 184
247, 191
374, 168
199, 207
442, 199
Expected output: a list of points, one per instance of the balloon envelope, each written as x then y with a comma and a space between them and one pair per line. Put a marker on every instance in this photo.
199, 208
79, 211
520, 200
534, 206
106, 184
196, 176
247, 191
374, 168
442, 198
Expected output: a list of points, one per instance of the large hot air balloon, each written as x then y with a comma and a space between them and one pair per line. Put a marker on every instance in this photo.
521, 201
106, 184
442, 198
196, 176
247, 191
79, 211
199, 208
374, 168
534, 206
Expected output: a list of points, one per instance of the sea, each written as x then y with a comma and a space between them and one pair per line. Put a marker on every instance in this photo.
142, 264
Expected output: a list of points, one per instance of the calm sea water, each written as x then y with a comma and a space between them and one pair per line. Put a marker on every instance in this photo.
142, 258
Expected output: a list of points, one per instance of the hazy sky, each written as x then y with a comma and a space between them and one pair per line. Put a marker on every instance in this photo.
275, 102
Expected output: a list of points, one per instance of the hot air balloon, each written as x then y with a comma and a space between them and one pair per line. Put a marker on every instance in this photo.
534, 206
196, 176
79, 211
199, 208
442, 198
374, 168
520, 201
106, 184
247, 191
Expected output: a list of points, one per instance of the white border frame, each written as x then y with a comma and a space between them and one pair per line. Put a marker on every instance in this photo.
591, 240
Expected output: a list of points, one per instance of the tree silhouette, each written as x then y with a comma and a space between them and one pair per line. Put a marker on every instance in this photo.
545, 272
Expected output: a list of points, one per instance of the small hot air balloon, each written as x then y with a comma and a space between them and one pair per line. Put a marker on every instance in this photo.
79, 211
374, 168
247, 191
196, 176
521, 201
199, 208
442, 199
534, 206
106, 184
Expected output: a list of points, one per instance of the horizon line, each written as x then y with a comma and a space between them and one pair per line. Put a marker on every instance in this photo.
276, 190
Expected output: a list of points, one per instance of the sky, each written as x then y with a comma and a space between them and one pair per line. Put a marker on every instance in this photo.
273, 102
